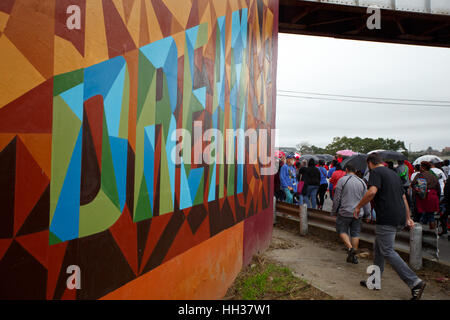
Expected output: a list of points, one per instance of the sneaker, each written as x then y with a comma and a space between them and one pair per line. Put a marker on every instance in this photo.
363, 283
417, 291
351, 256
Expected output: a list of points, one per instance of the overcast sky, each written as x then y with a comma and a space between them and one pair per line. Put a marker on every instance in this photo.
364, 69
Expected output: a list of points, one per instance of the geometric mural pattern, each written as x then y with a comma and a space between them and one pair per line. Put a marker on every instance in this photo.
86, 124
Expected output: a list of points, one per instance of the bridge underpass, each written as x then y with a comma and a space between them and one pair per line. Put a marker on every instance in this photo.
415, 22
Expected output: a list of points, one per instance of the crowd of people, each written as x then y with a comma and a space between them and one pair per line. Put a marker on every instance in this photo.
310, 182
391, 196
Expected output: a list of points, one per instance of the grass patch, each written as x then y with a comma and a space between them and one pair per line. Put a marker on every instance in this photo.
264, 279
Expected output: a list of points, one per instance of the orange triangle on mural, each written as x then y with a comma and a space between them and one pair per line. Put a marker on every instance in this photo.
36, 244
40, 147
5, 139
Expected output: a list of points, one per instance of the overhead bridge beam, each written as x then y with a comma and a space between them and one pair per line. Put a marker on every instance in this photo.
423, 22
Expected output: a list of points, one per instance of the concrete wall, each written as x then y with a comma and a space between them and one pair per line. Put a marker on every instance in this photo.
90, 99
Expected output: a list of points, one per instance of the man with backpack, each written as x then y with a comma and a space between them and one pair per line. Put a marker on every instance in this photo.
385, 188
350, 189
427, 192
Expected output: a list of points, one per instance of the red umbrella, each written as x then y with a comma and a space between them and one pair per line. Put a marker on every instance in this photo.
279, 154
410, 167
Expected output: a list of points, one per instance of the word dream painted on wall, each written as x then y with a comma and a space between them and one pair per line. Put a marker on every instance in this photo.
86, 128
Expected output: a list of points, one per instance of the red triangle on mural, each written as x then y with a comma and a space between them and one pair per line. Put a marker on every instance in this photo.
117, 34
31, 182
157, 227
124, 232
185, 239
4, 246
232, 204
56, 255
70, 294
30, 113
36, 244
193, 16
241, 199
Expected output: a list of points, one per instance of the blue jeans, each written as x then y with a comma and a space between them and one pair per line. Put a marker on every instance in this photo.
311, 195
301, 199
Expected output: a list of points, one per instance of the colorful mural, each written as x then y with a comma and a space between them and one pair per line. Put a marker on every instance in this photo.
88, 123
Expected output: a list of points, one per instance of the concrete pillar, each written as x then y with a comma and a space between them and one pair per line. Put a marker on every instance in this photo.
274, 209
303, 220
415, 247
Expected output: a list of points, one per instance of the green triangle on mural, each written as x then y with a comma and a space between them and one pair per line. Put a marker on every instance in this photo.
230, 184
109, 185
146, 74
165, 193
163, 110
200, 191
147, 118
202, 35
67, 81
143, 209
66, 128
53, 239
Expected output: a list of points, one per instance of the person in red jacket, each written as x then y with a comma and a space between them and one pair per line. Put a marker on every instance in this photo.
338, 174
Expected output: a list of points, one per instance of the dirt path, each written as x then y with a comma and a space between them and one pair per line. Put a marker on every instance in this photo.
323, 265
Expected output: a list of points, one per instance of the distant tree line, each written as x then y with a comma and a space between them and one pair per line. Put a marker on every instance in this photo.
365, 145
357, 144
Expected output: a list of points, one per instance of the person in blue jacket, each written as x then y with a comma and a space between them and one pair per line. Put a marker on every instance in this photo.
288, 178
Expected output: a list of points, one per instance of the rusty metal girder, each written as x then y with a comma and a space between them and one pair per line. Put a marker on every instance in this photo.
347, 21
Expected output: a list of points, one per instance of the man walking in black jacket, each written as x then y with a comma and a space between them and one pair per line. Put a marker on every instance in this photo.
391, 206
